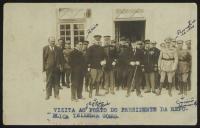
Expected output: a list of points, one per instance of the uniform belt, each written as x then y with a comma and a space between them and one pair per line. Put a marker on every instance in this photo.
168, 59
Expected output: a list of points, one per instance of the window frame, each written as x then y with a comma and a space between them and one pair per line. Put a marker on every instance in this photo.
72, 36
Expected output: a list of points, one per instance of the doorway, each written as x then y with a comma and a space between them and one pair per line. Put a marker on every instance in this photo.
131, 30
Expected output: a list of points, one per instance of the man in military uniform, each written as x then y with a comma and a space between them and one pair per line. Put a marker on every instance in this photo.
122, 64
188, 44
150, 64
110, 52
76, 60
156, 56
167, 65
135, 68
175, 78
86, 73
184, 61
52, 65
67, 68
96, 62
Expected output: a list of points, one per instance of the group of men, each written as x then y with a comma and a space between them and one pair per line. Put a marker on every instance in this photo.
109, 64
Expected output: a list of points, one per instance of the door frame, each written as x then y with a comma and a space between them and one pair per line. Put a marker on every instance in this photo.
121, 20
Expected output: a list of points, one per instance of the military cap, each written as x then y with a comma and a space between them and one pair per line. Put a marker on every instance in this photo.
123, 38
107, 36
153, 42
173, 40
162, 44
188, 42
147, 40
168, 40
97, 36
179, 41
85, 42
113, 41
139, 42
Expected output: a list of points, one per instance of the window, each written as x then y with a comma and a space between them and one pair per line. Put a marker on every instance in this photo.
72, 31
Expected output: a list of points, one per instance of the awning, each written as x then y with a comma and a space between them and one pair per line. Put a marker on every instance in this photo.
129, 14
71, 13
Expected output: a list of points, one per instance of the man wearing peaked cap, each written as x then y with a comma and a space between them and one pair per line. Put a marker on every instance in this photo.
95, 62
109, 78
188, 44
122, 64
167, 65
184, 62
168, 40
97, 36
156, 52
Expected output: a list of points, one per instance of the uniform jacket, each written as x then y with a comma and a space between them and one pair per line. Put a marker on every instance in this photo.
111, 55
76, 60
123, 56
150, 59
95, 54
52, 60
137, 55
184, 61
168, 60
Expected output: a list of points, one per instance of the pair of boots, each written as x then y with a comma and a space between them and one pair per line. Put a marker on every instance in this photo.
97, 91
183, 88
169, 89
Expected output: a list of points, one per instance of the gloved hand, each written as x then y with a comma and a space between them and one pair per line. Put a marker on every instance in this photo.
137, 63
103, 62
113, 63
132, 63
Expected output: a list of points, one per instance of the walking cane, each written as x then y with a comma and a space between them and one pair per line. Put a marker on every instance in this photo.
133, 79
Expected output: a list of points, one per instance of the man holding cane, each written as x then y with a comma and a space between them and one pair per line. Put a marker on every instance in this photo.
136, 67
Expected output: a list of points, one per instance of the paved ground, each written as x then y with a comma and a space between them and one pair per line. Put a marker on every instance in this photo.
25, 104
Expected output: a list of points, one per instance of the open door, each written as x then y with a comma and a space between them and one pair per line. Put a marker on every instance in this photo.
132, 30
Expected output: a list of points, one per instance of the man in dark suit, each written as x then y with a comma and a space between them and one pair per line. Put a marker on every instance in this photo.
135, 68
52, 65
76, 61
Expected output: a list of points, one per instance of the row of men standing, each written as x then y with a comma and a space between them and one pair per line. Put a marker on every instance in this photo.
111, 65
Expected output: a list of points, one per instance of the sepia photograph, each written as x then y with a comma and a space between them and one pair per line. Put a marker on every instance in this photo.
100, 64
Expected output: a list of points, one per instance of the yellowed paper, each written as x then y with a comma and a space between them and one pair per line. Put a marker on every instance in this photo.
26, 29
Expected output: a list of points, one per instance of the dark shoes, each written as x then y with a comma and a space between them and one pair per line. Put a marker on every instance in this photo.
47, 98
148, 91
117, 88
57, 97
75, 100
139, 95
106, 92
127, 95
154, 92
98, 94
113, 93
